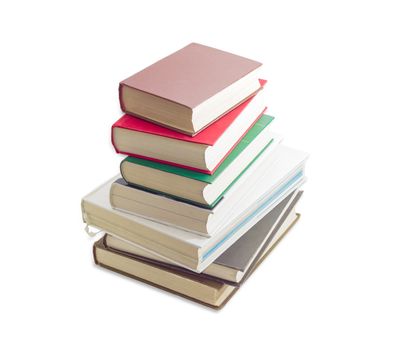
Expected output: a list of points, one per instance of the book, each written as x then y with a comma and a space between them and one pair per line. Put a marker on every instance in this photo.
232, 265
195, 287
185, 248
190, 88
203, 152
199, 188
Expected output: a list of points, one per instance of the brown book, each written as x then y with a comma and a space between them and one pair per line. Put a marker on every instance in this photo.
190, 88
197, 287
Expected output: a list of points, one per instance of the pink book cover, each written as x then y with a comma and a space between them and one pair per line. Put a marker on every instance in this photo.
208, 136
190, 75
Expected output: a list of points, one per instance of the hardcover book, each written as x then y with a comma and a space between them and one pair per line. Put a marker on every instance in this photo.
190, 88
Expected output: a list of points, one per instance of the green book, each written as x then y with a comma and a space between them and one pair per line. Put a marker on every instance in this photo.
257, 128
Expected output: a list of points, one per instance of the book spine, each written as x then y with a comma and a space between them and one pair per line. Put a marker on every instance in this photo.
94, 254
120, 96
112, 139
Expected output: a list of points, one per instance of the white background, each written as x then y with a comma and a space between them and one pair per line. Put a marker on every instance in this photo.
334, 88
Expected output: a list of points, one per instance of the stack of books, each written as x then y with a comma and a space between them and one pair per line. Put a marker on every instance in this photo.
207, 188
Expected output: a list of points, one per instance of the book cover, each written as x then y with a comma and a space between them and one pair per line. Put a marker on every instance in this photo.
191, 75
241, 254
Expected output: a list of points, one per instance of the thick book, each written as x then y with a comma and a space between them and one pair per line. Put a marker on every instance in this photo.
185, 248
233, 265
204, 152
199, 188
195, 287
190, 88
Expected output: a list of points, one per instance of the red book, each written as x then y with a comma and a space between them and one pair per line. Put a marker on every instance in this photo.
191, 88
203, 152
